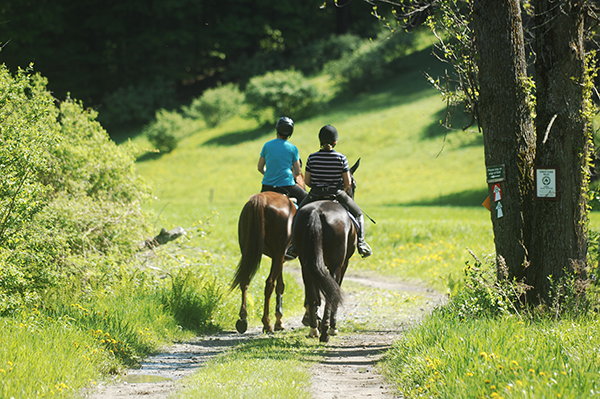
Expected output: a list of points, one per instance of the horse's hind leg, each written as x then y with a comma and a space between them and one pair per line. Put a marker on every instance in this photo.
242, 324
327, 312
276, 268
279, 304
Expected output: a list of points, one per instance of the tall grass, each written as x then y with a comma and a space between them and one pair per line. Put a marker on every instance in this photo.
487, 358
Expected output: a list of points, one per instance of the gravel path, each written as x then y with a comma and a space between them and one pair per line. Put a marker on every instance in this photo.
347, 371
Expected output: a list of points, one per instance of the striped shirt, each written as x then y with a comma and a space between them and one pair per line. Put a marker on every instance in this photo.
326, 169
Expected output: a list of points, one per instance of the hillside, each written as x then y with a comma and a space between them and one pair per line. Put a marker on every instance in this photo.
393, 129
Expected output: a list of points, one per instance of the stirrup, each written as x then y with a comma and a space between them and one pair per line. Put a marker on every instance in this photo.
290, 254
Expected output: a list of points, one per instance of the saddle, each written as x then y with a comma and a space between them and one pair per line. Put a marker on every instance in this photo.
317, 194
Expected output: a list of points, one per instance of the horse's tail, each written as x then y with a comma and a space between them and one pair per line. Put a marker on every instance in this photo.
251, 234
314, 271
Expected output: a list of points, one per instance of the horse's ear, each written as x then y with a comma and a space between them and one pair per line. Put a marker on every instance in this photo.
355, 166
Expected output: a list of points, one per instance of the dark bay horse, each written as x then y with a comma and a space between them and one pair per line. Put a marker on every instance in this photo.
325, 238
265, 227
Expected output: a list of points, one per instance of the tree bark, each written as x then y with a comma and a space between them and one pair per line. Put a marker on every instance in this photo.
559, 240
505, 114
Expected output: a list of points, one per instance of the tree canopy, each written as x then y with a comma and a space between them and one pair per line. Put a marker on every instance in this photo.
92, 48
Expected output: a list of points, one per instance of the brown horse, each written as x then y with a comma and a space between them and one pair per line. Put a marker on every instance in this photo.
325, 238
265, 227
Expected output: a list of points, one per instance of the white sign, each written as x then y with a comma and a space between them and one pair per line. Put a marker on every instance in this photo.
545, 181
499, 210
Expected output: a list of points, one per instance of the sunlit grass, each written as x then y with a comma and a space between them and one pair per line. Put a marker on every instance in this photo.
272, 367
42, 356
507, 358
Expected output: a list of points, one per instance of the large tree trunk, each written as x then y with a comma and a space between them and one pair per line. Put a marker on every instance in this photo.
506, 118
559, 240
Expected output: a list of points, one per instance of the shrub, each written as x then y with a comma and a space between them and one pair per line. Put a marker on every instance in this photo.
216, 105
313, 57
162, 133
481, 294
137, 104
66, 191
283, 93
371, 62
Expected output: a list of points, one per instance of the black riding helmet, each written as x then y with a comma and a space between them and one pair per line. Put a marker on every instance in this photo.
328, 135
285, 126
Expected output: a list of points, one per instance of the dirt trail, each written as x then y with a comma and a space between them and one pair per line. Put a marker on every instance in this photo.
347, 371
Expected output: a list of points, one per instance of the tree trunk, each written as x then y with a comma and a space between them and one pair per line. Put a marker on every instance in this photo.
505, 115
559, 235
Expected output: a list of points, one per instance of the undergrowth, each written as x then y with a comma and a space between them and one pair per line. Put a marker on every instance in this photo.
488, 342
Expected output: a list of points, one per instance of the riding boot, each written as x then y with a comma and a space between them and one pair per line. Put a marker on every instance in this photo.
363, 248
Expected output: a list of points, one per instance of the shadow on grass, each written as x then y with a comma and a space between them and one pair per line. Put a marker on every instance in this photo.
148, 156
410, 85
468, 198
241, 136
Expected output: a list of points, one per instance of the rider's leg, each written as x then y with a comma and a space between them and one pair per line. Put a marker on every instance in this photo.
296, 192
363, 248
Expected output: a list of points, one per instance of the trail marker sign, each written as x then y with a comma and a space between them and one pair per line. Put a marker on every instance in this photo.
497, 192
546, 183
495, 174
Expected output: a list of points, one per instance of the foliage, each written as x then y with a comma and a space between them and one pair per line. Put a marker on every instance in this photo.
191, 42
484, 293
57, 207
137, 103
311, 59
216, 105
372, 62
284, 93
192, 300
162, 132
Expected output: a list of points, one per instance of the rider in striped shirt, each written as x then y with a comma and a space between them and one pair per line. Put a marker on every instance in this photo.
328, 175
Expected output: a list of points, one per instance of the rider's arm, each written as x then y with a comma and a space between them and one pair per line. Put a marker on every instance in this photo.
261, 165
307, 178
296, 168
347, 182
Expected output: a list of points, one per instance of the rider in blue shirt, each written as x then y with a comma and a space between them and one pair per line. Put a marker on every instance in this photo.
279, 162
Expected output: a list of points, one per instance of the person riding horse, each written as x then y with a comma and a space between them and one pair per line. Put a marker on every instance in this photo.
328, 175
279, 162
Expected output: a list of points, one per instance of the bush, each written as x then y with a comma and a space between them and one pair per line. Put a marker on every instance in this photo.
66, 191
282, 93
216, 105
137, 104
162, 133
313, 57
370, 63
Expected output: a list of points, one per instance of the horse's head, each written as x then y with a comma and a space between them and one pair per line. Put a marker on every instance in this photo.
352, 170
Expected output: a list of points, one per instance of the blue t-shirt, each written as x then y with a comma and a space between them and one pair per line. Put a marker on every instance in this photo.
279, 156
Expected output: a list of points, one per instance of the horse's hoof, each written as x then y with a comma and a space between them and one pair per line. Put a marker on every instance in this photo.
324, 338
333, 331
279, 327
268, 330
241, 326
313, 333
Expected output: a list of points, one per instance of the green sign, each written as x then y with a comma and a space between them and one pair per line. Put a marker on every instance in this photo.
495, 174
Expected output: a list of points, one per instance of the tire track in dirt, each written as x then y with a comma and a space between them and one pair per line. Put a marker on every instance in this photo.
348, 370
